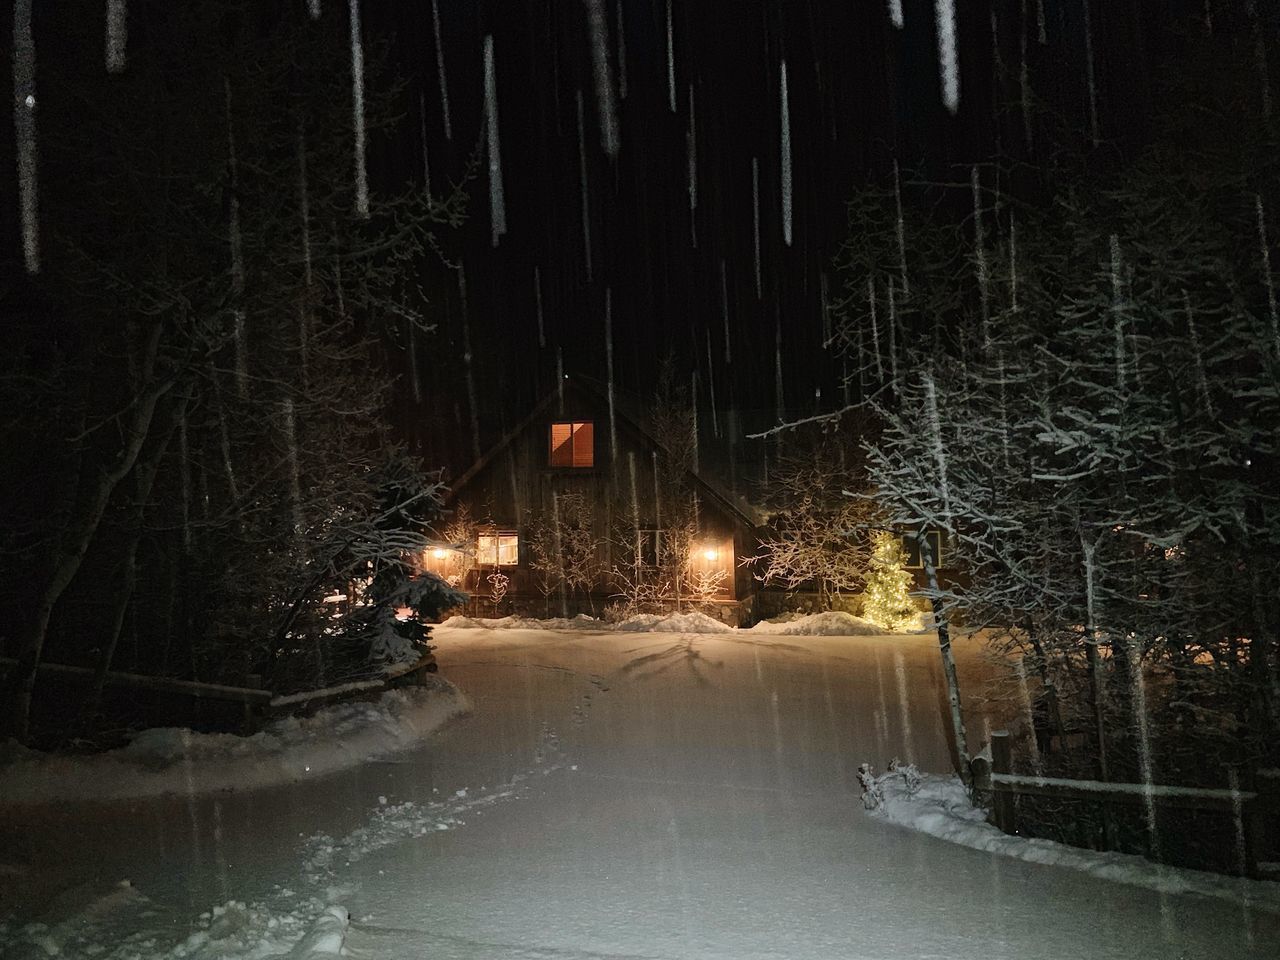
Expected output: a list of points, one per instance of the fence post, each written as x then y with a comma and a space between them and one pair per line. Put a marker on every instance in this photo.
1002, 802
1259, 839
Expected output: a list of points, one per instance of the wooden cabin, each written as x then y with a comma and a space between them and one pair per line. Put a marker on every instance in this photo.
579, 508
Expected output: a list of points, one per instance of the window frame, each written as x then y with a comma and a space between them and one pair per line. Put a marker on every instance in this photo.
572, 444
930, 535
498, 536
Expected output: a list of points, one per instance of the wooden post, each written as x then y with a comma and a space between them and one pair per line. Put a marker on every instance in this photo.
1002, 801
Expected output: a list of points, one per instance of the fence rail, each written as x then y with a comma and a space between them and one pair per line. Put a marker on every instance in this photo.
1257, 806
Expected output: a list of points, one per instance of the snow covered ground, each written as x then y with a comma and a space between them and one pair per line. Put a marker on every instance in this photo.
828, 624
611, 794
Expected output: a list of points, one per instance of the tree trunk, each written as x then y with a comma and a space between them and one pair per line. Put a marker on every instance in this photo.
948, 662
70, 551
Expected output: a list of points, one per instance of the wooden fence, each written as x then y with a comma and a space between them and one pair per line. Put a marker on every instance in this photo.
1255, 806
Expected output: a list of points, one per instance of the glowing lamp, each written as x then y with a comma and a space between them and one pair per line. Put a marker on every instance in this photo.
711, 554
439, 553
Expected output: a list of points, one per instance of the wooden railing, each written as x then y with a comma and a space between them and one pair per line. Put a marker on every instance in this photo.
1255, 805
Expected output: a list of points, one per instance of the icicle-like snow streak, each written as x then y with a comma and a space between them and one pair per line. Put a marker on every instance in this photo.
875, 328
582, 177
622, 51
313, 8
671, 60
935, 441
895, 13
755, 218
608, 353
357, 109
901, 229
785, 164
497, 201
780, 394
948, 62
1265, 250
724, 312
537, 304
1197, 349
691, 148
117, 35
598, 28
1089, 72
440, 74
980, 257
237, 253
24, 131
1117, 311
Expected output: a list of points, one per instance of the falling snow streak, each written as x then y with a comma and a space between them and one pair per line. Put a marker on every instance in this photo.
24, 131
895, 13
935, 440
357, 109
755, 217
893, 338
497, 201
948, 64
724, 312
901, 229
1265, 250
1116, 311
657, 492
825, 307
1198, 350
537, 303
875, 328
608, 352
237, 250
1088, 71
1013, 262
304, 204
635, 506
1024, 80
415, 381
671, 60
1146, 767
560, 380
426, 156
691, 148
440, 74
1042, 35
779, 394
980, 257
598, 26
622, 51
582, 176
711, 387
1260, 56
117, 35
313, 7
785, 164
291, 448
184, 475
467, 360
693, 422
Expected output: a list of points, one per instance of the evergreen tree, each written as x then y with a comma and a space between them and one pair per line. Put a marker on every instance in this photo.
886, 600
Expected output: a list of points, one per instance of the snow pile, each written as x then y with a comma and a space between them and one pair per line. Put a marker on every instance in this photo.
939, 806
673, 623
832, 623
171, 760
580, 622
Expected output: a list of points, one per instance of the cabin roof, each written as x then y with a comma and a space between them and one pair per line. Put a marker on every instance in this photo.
624, 420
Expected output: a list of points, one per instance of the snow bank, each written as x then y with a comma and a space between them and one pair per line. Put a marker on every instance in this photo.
940, 807
673, 623
580, 622
832, 623
171, 760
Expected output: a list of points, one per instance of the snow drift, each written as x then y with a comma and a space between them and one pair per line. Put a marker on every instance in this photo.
172, 760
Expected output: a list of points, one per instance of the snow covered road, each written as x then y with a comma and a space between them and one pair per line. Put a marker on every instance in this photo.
614, 795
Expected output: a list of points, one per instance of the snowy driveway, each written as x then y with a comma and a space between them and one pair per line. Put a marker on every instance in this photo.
627, 796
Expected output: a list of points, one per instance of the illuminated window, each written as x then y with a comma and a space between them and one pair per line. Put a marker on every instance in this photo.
572, 444
911, 550
498, 550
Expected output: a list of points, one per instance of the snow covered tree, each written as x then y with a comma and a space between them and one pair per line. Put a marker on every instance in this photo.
886, 596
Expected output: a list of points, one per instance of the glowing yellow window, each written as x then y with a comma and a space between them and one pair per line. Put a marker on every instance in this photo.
572, 444
498, 549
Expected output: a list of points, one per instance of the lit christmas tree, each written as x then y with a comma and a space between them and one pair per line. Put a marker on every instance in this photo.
887, 599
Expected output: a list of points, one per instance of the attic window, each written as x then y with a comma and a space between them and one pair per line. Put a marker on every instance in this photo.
572, 444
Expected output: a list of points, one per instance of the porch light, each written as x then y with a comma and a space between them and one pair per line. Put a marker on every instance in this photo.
711, 554
439, 553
